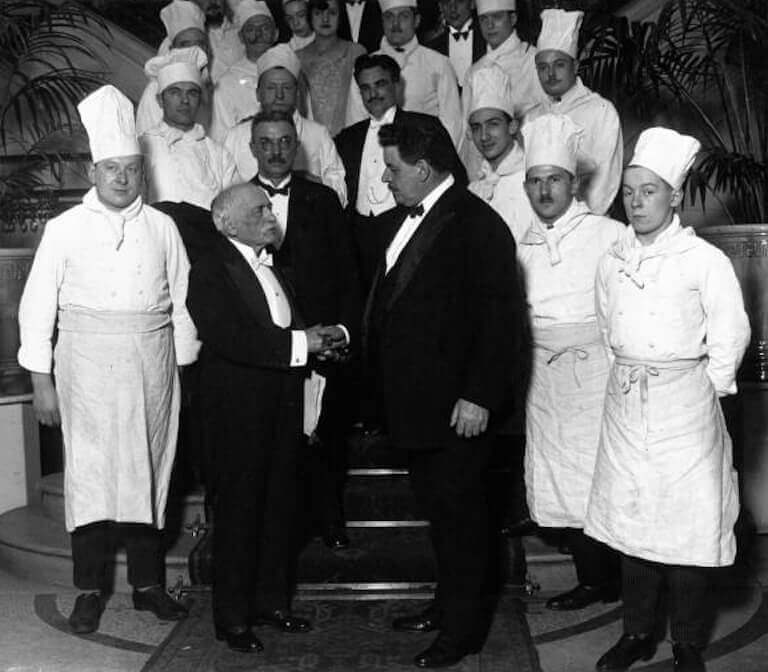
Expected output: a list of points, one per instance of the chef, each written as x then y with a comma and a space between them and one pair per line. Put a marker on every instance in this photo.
182, 163
559, 254
111, 275
665, 492
557, 67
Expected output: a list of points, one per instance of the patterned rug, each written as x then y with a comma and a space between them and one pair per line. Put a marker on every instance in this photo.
347, 636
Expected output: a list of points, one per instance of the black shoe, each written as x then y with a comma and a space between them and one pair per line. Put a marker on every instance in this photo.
239, 638
160, 603
283, 620
518, 528
425, 621
687, 658
629, 649
443, 652
582, 596
336, 538
86, 615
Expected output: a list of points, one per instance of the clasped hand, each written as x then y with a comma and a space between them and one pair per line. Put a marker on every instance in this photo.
327, 342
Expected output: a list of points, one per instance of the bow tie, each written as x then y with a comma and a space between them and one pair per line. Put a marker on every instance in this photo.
272, 190
416, 210
460, 34
263, 258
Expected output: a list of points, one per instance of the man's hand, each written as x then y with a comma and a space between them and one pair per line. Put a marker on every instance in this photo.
45, 401
469, 419
321, 339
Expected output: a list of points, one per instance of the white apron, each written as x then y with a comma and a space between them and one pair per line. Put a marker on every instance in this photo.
119, 399
563, 412
664, 489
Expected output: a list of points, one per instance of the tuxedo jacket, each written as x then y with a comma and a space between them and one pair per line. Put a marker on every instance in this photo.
317, 258
441, 41
447, 321
195, 226
371, 30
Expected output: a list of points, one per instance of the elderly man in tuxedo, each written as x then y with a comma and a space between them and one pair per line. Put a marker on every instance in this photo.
443, 329
253, 365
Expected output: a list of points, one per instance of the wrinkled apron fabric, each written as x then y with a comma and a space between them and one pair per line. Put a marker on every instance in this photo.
119, 399
563, 413
664, 489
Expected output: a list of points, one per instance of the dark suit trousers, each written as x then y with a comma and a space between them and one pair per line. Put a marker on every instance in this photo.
451, 488
256, 527
93, 554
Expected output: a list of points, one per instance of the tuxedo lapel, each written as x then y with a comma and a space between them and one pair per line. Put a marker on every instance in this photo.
355, 159
479, 47
247, 285
370, 26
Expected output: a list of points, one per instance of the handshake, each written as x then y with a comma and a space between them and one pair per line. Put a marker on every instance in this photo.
329, 343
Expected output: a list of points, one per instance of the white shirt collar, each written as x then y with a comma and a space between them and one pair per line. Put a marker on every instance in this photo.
387, 118
248, 253
407, 48
431, 198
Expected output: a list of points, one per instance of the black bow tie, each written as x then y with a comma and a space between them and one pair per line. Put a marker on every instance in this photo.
416, 210
272, 191
460, 35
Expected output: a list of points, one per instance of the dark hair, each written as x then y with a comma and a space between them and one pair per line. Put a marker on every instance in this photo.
386, 63
274, 115
422, 136
320, 6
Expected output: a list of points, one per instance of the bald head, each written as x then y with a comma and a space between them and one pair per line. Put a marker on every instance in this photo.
243, 212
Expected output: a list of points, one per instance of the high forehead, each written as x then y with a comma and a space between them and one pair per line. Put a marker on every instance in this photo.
183, 87
547, 171
399, 12
486, 114
392, 157
552, 56
374, 75
635, 176
277, 76
274, 129
131, 161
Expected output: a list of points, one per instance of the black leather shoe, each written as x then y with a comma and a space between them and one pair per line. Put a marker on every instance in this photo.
86, 615
629, 649
687, 658
239, 638
160, 603
443, 652
283, 620
582, 596
336, 538
425, 621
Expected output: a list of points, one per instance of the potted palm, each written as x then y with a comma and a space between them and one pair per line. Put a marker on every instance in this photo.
47, 64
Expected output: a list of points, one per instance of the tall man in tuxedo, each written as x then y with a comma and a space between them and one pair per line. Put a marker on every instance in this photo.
253, 364
316, 255
443, 328
460, 40
360, 21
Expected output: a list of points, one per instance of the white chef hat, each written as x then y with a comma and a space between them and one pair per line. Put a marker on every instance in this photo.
178, 65
667, 153
181, 15
560, 31
491, 87
247, 9
279, 56
386, 5
109, 120
488, 6
553, 140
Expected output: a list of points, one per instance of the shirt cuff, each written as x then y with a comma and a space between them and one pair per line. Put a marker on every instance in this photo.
346, 332
299, 350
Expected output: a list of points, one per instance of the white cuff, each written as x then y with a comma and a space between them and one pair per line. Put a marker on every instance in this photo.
346, 332
299, 350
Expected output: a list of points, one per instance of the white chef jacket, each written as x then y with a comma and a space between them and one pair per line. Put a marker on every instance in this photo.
672, 313
234, 98
602, 140
185, 166
503, 190
316, 155
430, 86
226, 48
116, 281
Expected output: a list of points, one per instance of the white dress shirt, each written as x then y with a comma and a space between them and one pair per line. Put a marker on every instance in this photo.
460, 50
185, 165
279, 307
430, 86
316, 154
373, 195
602, 140
355, 16
411, 223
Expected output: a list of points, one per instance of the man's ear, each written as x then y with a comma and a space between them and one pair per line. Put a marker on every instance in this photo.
425, 170
416, 19
514, 126
92, 172
677, 198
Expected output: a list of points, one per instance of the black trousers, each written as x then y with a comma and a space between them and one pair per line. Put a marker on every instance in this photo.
256, 523
93, 554
451, 487
596, 563
643, 583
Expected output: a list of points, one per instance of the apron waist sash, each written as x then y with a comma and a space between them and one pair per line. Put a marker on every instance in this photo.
83, 320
